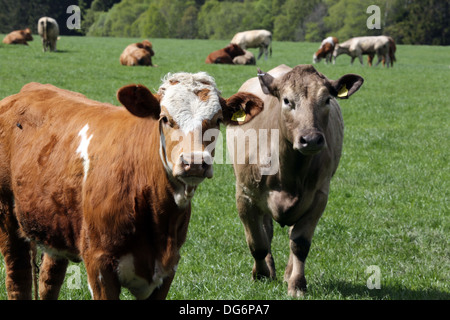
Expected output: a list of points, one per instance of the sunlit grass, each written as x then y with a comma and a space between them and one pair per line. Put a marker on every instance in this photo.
389, 200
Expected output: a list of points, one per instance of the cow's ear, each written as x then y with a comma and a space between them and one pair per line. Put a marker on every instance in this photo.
240, 108
139, 101
346, 85
268, 83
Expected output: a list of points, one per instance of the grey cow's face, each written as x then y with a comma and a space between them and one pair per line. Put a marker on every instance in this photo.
304, 114
305, 98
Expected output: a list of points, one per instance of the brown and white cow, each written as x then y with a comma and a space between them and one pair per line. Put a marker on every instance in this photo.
108, 185
325, 50
18, 37
302, 128
261, 39
138, 54
48, 29
225, 55
371, 45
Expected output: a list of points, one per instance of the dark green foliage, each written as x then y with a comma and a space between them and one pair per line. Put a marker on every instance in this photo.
407, 21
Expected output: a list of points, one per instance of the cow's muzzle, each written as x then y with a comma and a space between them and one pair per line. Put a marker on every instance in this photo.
195, 167
310, 143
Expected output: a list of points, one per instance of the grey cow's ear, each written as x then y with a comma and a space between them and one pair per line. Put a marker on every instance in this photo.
346, 85
268, 84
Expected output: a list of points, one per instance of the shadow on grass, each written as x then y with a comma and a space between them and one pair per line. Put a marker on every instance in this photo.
350, 290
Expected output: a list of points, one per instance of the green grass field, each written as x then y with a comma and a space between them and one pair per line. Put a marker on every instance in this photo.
389, 200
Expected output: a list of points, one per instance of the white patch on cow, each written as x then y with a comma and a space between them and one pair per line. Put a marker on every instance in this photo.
137, 285
90, 290
179, 97
83, 149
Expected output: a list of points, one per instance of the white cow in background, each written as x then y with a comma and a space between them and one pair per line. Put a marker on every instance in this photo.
261, 39
48, 29
356, 47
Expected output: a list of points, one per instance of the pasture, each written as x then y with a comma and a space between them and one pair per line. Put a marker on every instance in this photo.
389, 200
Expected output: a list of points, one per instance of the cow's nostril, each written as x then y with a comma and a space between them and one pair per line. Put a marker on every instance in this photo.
303, 141
320, 141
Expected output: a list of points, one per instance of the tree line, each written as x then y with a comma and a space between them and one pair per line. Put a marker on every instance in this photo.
407, 21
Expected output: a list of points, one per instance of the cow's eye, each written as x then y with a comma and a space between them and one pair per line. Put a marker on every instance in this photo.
328, 100
286, 101
166, 121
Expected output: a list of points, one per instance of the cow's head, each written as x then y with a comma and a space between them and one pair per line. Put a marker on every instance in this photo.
338, 50
147, 45
27, 34
305, 98
189, 109
234, 50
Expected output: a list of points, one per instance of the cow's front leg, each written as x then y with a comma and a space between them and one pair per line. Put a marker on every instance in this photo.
360, 59
51, 277
261, 51
258, 229
160, 293
300, 241
102, 277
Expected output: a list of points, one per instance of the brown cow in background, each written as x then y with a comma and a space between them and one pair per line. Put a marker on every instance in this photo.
138, 54
225, 55
325, 50
18, 37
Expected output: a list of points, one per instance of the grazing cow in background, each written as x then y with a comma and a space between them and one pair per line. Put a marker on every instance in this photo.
325, 50
247, 58
392, 50
108, 185
225, 55
356, 47
18, 37
48, 29
304, 129
261, 39
138, 54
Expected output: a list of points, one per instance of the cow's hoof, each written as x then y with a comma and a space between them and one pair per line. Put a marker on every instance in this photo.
264, 269
297, 287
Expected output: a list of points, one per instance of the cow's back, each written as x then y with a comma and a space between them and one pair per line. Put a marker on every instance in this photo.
51, 143
48, 28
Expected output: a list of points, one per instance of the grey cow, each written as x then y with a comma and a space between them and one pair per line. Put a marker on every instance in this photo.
304, 127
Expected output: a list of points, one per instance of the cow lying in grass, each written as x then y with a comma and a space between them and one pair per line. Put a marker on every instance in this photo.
225, 55
138, 54
18, 37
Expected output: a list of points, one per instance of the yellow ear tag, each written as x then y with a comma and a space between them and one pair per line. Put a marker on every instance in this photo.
238, 116
343, 92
